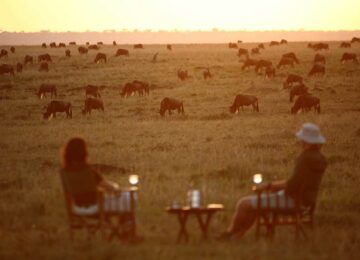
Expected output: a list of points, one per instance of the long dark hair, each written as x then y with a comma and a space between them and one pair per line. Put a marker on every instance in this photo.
74, 153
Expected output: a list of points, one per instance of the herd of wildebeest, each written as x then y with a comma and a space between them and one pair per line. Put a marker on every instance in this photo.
295, 83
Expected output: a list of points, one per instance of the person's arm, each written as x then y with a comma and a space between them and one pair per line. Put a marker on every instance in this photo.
109, 185
272, 186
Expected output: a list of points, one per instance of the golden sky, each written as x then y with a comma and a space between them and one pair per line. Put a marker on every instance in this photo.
99, 15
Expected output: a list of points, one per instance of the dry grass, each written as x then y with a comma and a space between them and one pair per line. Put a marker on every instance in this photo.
206, 145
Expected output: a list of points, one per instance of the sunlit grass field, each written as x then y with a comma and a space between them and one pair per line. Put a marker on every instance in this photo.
207, 147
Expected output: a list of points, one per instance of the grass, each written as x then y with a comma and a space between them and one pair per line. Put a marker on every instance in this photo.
207, 145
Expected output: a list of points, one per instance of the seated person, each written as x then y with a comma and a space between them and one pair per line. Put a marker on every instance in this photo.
82, 182
304, 184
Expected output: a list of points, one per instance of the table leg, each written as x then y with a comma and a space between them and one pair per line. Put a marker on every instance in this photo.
204, 226
183, 232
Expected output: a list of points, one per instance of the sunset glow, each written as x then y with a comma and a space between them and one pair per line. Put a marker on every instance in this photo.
99, 15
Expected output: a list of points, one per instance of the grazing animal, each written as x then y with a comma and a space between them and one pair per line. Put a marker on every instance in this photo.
136, 86
3, 53
232, 45
44, 57
138, 46
169, 104
207, 74
56, 106
355, 39
93, 47
6, 68
274, 43
239, 41
283, 41
92, 90
44, 66
306, 103
12, 49
243, 51
261, 46
248, 63
114, 43
68, 53
28, 59
19, 67
43, 45
285, 61
345, 45
349, 57
292, 79
169, 47
297, 90
100, 57
92, 103
291, 55
87, 43
100, 43
82, 50
319, 46
255, 51
270, 72
122, 52
319, 58
317, 70
52, 45
262, 64
47, 88
182, 74
62, 45
244, 100
72, 43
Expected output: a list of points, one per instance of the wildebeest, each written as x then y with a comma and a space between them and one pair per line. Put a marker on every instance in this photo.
319, 58
285, 61
82, 50
44, 66
261, 46
122, 52
283, 41
100, 57
136, 86
72, 43
262, 64
67, 53
114, 43
56, 106
182, 74
12, 49
3, 53
306, 103
28, 59
345, 45
248, 63
244, 100
292, 78
243, 51
291, 55
169, 47
239, 41
87, 43
47, 88
52, 45
6, 68
44, 57
232, 45
62, 45
270, 72
319, 46
93, 47
169, 104
317, 70
355, 39
92, 90
92, 103
255, 51
297, 90
138, 46
19, 67
43, 45
141, 87
349, 57
100, 43
207, 74
274, 43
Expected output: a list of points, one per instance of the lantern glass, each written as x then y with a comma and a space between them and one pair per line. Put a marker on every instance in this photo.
257, 178
133, 179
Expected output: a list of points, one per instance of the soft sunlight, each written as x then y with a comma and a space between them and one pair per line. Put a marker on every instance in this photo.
99, 15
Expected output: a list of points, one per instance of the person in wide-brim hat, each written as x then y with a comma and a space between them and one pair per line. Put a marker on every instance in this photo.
303, 184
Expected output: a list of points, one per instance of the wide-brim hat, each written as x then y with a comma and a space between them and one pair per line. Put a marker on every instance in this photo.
310, 133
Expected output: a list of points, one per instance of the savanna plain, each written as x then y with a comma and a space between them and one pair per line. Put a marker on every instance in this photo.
206, 147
